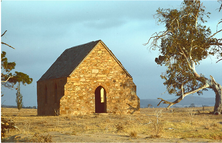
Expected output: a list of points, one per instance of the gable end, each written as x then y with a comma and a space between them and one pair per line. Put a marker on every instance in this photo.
71, 58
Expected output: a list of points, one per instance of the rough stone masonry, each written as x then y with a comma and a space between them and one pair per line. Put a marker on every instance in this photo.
87, 79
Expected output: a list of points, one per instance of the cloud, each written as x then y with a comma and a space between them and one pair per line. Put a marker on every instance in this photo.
41, 13
41, 30
105, 23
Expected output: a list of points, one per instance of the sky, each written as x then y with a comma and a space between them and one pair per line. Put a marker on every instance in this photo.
41, 30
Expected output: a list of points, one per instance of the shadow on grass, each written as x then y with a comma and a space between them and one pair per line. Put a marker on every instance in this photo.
15, 138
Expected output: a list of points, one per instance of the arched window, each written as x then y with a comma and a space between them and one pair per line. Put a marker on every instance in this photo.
100, 100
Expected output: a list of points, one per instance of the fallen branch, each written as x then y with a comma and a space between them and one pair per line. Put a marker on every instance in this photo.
170, 103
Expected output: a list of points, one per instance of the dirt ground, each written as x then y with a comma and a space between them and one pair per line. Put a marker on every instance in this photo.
151, 125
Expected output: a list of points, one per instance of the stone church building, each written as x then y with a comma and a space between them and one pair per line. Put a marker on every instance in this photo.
87, 79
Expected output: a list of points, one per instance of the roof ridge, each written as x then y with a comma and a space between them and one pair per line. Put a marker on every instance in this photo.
84, 44
68, 61
71, 58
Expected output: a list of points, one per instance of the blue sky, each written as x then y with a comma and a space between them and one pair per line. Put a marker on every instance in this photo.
41, 30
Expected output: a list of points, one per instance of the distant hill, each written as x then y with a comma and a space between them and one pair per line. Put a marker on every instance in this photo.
198, 101
13, 106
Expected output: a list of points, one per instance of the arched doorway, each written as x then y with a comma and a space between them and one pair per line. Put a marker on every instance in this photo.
100, 100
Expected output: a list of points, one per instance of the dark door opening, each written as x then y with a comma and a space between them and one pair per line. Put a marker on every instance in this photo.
100, 100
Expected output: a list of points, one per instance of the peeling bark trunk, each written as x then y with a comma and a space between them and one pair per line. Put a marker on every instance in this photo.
218, 100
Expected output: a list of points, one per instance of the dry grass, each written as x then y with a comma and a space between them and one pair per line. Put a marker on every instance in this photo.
40, 138
133, 134
181, 124
119, 127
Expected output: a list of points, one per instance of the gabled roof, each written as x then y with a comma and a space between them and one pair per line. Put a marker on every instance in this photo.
69, 60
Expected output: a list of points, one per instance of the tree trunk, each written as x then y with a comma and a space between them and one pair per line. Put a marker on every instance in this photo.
218, 101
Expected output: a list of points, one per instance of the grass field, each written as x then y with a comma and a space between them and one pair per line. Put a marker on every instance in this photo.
151, 125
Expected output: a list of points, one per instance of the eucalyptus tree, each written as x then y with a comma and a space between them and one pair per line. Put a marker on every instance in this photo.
220, 22
19, 98
183, 44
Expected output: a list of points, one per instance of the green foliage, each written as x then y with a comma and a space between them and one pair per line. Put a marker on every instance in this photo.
21, 77
5, 65
19, 98
184, 43
8, 78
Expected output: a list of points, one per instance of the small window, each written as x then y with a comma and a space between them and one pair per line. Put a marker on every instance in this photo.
102, 95
46, 95
55, 97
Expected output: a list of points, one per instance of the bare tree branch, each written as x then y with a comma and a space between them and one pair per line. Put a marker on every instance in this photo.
7, 79
181, 97
7, 45
164, 33
219, 44
157, 37
219, 60
220, 5
4, 33
215, 33
219, 23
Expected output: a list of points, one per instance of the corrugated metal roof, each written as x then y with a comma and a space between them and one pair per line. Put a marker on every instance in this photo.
69, 60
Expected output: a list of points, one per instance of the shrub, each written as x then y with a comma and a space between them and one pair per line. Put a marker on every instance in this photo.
157, 125
119, 127
158, 129
133, 134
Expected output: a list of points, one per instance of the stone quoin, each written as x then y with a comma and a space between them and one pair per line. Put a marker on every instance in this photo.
87, 79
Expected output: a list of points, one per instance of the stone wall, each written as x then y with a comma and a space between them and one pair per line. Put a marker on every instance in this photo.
99, 68
75, 94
